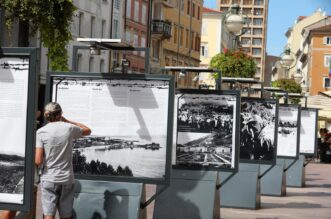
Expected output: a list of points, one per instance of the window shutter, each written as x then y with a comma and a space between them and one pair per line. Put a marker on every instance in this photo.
324, 40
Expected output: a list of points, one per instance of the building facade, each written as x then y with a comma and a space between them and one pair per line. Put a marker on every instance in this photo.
314, 57
182, 48
254, 39
295, 37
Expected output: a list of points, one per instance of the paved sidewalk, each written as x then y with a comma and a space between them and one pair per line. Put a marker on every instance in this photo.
311, 202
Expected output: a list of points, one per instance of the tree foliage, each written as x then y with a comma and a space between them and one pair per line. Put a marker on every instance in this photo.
51, 17
234, 64
287, 84
290, 86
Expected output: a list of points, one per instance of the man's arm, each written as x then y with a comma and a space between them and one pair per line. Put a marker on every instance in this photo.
39, 156
86, 130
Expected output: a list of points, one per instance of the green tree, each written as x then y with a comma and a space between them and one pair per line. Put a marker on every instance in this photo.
290, 86
51, 18
234, 64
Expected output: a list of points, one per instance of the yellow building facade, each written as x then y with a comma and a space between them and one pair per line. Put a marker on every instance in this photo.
183, 47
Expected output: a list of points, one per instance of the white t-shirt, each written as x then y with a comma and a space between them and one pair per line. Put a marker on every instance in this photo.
56, 140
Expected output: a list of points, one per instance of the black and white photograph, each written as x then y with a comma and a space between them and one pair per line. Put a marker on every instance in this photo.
308, 131
206, 131
129, 120
288, 130
258, 136
14, 75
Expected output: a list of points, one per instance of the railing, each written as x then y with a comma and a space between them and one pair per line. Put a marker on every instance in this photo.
161, 27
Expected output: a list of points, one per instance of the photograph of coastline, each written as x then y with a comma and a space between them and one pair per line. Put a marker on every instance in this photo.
258, 129
14, 74
127, 140
205, 131
288, 123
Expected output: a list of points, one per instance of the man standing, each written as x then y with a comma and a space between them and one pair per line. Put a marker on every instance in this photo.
54, 156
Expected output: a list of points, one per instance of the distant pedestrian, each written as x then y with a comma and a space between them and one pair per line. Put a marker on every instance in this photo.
54, 155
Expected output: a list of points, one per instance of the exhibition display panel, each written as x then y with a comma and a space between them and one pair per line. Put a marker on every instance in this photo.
258, 136
308, 131
207, 129
131, 117
17, 127
288, 131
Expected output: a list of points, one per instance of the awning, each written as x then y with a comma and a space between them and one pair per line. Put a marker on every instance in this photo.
322, 101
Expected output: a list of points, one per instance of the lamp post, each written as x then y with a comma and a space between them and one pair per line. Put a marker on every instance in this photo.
287, 61
234, 22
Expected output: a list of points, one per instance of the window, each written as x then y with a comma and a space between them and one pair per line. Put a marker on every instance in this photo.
256, 51
143, 44
258, 71
128, 8
204, 29
257, 41
258, 61
92, 33
188, 6
193, 9
103, 29
245, 41
246, 31
143, 14
257, 21
327, 40
187, 38
79, 63
225, 2
117, 4
327, 61
175, 34
135, 39
182, 5
80, 23
258, 2
258, 11
257, 31
102, 66
116, 29
326, 82
181, 37
247, 11
192, 40
136, 10
248, 20
198, 16
204, 50
197, 42
128, 36
156, 50
91, 64
247, 2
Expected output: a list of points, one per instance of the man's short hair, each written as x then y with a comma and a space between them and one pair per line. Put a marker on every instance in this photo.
52, 112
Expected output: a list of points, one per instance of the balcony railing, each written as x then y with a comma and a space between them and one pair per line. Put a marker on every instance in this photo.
162, 28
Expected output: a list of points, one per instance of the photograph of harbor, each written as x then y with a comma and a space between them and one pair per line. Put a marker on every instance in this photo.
258, 129
100, 155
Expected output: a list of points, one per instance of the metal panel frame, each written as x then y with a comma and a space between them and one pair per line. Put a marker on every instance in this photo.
28, 195
105, 76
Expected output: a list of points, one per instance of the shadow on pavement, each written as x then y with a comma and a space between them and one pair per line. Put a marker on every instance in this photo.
303, 205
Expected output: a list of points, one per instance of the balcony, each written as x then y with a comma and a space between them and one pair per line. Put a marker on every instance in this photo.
166, 3
161, 28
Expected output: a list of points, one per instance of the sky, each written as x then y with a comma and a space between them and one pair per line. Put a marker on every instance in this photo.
282, 14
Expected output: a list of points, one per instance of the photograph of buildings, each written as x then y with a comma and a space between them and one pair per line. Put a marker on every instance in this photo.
288, 123
127, 140
205, 131
14, 74
258, 129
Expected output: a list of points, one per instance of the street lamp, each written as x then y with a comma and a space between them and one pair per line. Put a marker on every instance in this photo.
234, 22
287, 60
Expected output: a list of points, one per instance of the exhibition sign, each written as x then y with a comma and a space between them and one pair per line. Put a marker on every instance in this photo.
308, 131
288, 131
207, 129
258, 135
131, 119
17, 127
